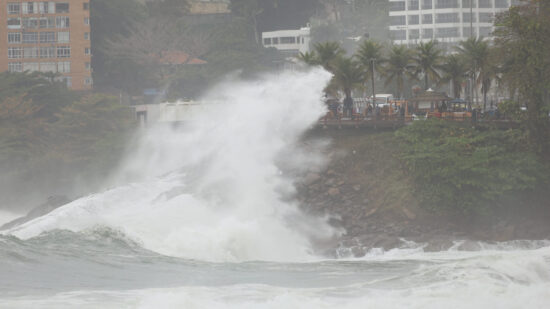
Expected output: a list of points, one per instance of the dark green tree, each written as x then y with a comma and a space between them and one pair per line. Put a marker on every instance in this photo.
328, 53
371, 60
398, 67
454, 71
427, 59
522, 43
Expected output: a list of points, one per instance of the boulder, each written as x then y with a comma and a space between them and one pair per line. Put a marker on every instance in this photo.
333, 191
311, 178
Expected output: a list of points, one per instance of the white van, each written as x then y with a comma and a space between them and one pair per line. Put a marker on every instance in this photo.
383, 99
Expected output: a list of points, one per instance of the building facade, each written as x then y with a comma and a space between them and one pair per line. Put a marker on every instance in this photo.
47, 36
288, 41
447, 21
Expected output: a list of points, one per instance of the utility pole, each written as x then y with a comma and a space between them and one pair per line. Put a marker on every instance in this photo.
472, 77
372, 78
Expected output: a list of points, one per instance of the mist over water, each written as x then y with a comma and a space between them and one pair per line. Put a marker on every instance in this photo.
213, 189
201, 216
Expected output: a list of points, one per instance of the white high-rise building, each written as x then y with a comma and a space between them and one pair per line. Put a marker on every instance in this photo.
447, 21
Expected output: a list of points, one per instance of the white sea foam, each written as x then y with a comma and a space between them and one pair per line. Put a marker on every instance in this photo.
213, 190
6, 216
503, 279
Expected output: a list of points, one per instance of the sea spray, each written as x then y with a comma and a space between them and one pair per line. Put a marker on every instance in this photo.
212, 188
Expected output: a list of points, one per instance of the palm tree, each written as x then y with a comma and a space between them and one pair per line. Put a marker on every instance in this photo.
476, 51
348, 75
327, 53
398, 66
427, 59
369, 53
309, 58
455, 71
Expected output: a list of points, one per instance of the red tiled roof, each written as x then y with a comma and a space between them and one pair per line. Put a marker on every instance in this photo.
179, 57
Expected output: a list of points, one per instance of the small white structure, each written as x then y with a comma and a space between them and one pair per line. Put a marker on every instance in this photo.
168, 112
291, 41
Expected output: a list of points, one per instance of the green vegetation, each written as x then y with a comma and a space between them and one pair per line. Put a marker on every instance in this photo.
51, 136
467, 170
522, 48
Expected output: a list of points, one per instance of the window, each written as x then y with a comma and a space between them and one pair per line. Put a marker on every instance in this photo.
14, 8
64, 67
466, 32
15, 67
88, 66
288, 40
47, 37
86, 20
446, 18
466, 17
48, 67
67, 80
87, 51
14, 23
46, 7
414, 34
413, 5
30, 37
447, 33
62, 22
485, 31
29, 7
29, 23
86, 6
63, 37
62, 7
275, 40
466, 4
427, 33
398, 34
426, 4
63, 51
486, 17
267, 41
397, 6
87, 81
427, 19
413, 19
14, 37
501, 3
30, 52
47, 22
397, 20
86, 35
31, 66
446, 4
14, 52
485, 3
47, 52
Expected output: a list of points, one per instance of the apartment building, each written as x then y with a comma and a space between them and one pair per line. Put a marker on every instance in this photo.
47, 36
448, 21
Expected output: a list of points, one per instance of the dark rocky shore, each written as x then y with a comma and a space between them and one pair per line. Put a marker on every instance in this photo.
372, 197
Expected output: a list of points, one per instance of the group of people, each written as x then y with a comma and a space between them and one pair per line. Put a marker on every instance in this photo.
347, 109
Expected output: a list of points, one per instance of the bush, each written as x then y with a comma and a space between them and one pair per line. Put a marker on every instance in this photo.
466, 170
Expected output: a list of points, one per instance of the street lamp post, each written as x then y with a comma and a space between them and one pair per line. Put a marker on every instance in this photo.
372, 78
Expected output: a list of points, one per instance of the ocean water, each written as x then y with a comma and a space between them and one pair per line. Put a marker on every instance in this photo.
201, 216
